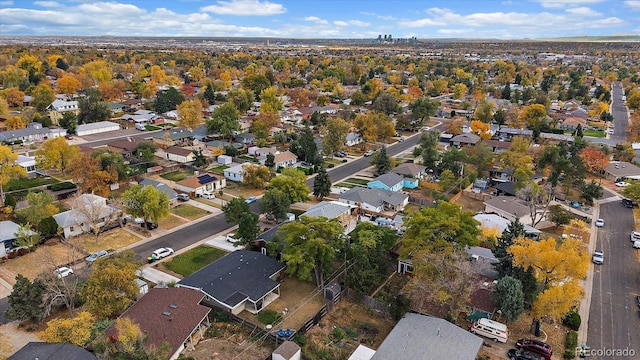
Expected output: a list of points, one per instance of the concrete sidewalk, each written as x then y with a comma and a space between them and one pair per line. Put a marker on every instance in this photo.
156, 276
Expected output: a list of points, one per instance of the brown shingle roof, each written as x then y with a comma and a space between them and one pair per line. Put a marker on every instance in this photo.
166, 315
179, 151
284, 156
194, 181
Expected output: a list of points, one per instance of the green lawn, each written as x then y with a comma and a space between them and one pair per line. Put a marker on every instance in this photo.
345, 185
357, 181
218, 169
594, 133
193, 260
177, 175
24, 183
189, 212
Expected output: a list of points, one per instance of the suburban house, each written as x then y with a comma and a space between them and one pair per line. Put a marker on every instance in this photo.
508, 133
175, 316
116, 108
96, 128
498, 174
550, 138
124, 147
201, 183
412, 174
26, 135
245, 138
498, 146
58, 107
389, 181
178, 154
174, 137
415, 336
483, 261
463, 140
353, 139
621, 170
173, 196
509, 208
28, 163
50, 351
234, 173
241, 280
571, 123
334, 210
281, 160
262, 151
89, 210
374, 201
505, 188
8, 230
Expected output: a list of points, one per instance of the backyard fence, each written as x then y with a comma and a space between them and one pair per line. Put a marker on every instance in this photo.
367, 301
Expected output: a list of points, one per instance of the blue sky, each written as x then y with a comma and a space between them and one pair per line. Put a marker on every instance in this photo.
514, 19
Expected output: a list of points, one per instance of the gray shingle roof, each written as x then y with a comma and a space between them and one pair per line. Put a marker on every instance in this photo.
388, 179
51, 351
425, 337
231, 279
10, 135
374, 197
330, 210
508, 204
409, 169
160, 186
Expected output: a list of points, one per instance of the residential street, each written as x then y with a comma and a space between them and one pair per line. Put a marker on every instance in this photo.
620, 113
613, 316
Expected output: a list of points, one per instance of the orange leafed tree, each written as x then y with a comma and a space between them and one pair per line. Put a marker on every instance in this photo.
594, 159
88, 174
481, 129
68, 85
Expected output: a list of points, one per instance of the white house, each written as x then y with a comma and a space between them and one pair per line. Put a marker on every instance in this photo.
353, 139
375, 200
28, 163
509, 208
234, 173
282, 160
178, 154
201, 183
96, 128
89, 210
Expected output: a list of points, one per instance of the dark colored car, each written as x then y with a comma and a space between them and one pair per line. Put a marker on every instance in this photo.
638, 301
628, 203
535, 346
149, 225
515, 354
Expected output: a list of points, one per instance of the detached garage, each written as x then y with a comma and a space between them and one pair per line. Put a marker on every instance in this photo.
96, 128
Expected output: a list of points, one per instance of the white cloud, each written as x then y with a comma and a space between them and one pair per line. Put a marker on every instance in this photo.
245, 7
316, 20
633, 4
340, 23
351, 22
559, 4
6, 3
381, 17
47, 3
583, 11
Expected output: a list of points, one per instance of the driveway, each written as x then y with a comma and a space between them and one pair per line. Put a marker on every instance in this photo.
613, 315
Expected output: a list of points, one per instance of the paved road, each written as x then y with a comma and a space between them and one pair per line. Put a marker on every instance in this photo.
614, 321
620, 113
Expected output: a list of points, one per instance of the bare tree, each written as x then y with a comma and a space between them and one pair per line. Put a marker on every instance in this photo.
93, 213
537, 198
60, 291
445, 278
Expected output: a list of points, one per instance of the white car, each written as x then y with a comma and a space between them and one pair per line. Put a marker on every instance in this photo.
636, 244
208, 195
231, 238
162, 253
622, 184
63, 272
368, 153
635, 236
600, 223
598, 257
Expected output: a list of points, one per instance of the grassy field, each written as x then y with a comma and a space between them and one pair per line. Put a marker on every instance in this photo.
113, 239
19, 184
177, 175
357, 181
171, 222
189, 212
218, 169
193, 260
594, 133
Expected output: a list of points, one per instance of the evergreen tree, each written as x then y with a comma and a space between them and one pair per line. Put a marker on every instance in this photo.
506, 92
270, 161
505, 264
382, 162
509, 296
25, 301
579, 132
322, 184
209, 95
92, 109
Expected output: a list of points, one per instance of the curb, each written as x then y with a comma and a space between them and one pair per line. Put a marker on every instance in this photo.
585, 304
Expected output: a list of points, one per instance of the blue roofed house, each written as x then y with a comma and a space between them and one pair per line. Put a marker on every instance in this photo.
241, 280
173, 196
388, 181
412, 174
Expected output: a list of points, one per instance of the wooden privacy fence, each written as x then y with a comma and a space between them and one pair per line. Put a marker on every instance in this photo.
367, 301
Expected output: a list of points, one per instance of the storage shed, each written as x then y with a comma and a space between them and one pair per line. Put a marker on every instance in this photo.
96, 128
225, 159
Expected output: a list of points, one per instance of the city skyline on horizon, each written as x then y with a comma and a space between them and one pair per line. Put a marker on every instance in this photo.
461, 19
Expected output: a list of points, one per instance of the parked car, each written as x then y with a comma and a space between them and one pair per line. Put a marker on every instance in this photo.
515, 354
183, 197
149, 225
138, 221
231, 238
251, 199
574, 204
598, 257
636, 244
127, 218
628, 203
208, 195
368, 153
162, 253
63, 272
635, 236
95, 256
638, 301
535, 346
622, 184
600, 222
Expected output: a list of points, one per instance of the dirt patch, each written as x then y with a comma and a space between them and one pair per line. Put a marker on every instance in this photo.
113, 239
344, 328
555, 336
470, 204
300, 299
171, 222
44, 258
227, 341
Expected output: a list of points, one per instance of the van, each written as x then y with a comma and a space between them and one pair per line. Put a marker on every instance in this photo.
490, 329
140, 127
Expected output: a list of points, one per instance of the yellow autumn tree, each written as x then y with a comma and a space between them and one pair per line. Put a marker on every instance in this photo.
15, 122
597, 108
76, 330
98, 71
8, 168
68, 85
190, 114
558, 300
128, 334
56, 154
532, 114
158, 74
270, 101
481, 129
